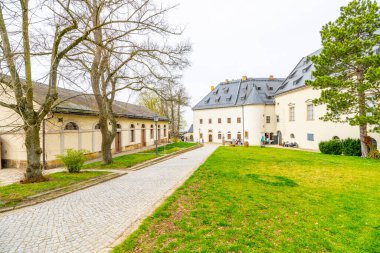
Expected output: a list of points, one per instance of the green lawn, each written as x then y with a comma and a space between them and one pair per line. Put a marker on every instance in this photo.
173, 147
122, 162
12, 194
268, 200
130, 160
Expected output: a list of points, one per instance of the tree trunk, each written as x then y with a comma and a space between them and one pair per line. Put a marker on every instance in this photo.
363, 127
106, 148
33, 152
178, 116
107, 140
172, 120
363, 135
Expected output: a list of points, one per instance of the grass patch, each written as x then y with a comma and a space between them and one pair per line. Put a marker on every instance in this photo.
12, 194
268, 200
126, 161
121, 162
173, 147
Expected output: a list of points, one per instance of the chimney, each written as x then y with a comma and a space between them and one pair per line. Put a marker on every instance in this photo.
244, 78
271, 77
212, 87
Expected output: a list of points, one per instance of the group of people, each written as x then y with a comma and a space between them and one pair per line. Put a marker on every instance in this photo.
237, 142
265, 140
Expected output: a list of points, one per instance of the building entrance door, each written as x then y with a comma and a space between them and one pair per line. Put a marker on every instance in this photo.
279, 138
143, 141
118, 142
210, 138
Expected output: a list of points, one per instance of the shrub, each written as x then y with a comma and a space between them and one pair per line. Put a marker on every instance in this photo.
374, 154
73, 160
175, 140
351, 147
332, 147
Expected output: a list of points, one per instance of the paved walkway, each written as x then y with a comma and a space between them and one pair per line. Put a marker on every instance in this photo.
11, 176
91, 220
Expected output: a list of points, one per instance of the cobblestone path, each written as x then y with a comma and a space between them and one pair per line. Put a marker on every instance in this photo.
92, 219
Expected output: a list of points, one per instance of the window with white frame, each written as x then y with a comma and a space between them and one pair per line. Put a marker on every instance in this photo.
151, 132
291, 113
310, 137
132, 137
310, 112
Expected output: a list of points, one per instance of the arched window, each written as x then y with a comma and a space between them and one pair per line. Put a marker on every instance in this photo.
292, 136
238, 136
71, 126
374, 143
143, 126
335, 138
97, 126
132, 133
151, 132
164, 130
118, 126
219, 135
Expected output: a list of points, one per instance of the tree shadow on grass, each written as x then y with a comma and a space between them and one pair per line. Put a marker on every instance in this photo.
272, 180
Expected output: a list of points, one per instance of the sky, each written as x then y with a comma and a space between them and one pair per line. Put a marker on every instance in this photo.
254, 38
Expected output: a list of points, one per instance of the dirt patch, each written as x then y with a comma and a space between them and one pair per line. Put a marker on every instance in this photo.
177, 209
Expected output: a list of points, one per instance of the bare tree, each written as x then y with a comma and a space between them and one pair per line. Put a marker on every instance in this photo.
35, 32
169, 101
131, 52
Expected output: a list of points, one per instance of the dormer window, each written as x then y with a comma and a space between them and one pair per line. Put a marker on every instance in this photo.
292, 74
229, 98
207, 101
270, 88
243, 97
227, 90
216, 92
217, 100
306, 69
258, 88
296, 82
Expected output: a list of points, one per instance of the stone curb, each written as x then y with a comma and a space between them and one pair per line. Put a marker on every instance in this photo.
44, 197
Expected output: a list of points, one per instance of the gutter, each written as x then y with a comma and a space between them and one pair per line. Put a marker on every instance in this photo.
93, 113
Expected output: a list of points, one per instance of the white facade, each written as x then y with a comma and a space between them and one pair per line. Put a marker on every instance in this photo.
247, 123
306, 129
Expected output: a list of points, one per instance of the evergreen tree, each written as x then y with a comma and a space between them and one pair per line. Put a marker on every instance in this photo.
347, 71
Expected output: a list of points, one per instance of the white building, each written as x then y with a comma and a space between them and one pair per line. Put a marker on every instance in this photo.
239, 109
73, 124
299, 119
280, 109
